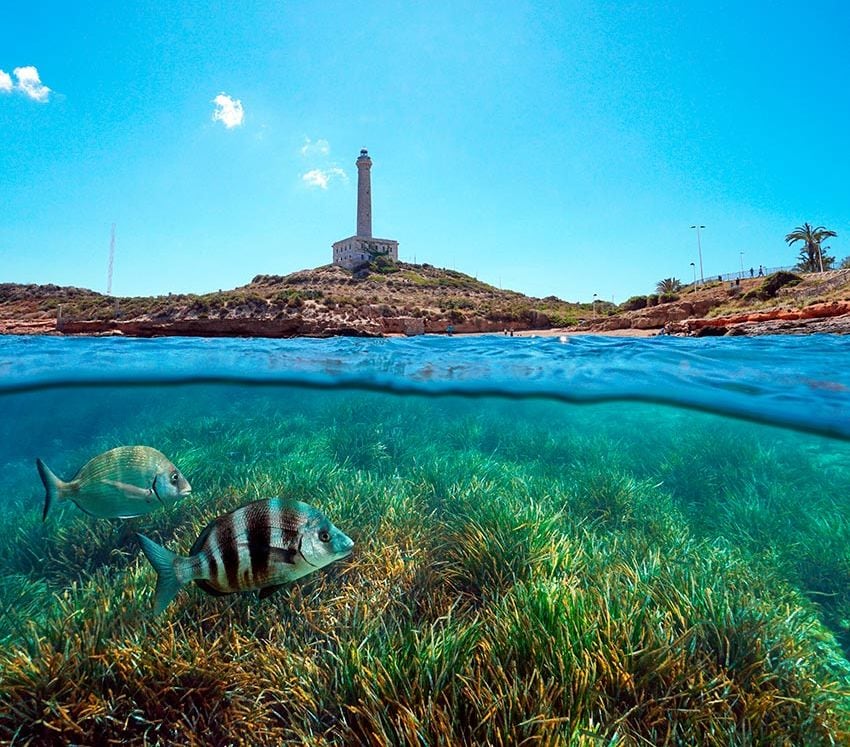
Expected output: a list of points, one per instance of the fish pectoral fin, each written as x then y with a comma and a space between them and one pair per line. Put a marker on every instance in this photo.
209, 588
283, 555
128, 489
267, 591
85, 510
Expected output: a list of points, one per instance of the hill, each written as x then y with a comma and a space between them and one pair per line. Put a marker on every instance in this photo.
382, 298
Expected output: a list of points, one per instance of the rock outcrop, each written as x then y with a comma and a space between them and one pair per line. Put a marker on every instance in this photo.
293, 326
657, 317
832, 316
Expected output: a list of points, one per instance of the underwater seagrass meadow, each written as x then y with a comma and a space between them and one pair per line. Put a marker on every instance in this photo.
526, 571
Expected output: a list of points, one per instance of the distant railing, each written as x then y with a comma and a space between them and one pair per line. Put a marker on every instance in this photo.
756, 272
830, 280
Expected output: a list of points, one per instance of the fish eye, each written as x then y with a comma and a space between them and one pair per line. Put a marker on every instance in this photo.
175, 476
324, 536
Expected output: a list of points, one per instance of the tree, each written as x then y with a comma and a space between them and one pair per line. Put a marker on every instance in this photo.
668, 285
812, 258
845, 264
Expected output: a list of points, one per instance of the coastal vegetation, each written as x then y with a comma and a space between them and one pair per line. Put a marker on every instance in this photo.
668, 285
812, 256
525, 572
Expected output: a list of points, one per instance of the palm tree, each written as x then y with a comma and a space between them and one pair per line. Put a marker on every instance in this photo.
812, 257
668, 285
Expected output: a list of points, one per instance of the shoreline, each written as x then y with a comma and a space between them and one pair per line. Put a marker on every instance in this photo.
831, 317
308, 304
696, 327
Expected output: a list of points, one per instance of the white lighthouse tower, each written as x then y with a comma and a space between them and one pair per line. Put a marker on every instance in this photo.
363, 247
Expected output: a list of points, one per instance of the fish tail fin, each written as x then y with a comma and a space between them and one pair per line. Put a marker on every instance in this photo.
165, 563
52, 486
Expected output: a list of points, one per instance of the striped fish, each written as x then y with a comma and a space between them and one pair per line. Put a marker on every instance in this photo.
262, 545
118, 484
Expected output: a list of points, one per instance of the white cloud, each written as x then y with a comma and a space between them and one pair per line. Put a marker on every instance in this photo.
228, 111
316, 178
5, 82
321, 147
322, 177
30, 84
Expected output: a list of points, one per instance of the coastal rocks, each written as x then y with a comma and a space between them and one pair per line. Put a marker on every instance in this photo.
836, 325
832, 316
615, 322
656, 317
27, 327
306, 324
688, 318
402, 325
275, 328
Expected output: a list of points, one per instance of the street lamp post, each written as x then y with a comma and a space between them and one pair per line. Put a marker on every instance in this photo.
694, 286
820, 256
742, 265
699, 249
594, 305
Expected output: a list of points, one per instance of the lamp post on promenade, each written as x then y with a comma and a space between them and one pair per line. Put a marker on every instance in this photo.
694, 286
820, 255
594, 305
742, 265
699, 249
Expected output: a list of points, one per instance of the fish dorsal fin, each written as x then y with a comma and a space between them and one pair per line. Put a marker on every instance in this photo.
131, 462
202, 537
267, 591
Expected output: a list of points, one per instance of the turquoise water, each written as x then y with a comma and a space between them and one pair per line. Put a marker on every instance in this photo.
726, 458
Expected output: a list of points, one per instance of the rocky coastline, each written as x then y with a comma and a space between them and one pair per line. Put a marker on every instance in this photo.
689, 320
275, 307
832, 318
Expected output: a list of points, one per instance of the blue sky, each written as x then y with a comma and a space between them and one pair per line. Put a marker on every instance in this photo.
552, 148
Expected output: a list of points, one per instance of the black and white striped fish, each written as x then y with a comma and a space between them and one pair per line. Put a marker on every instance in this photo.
262, 545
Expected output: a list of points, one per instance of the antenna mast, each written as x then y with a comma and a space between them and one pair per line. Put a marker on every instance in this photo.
111, 260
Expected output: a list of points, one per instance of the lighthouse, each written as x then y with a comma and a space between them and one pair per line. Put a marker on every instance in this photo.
363, 247
364, 194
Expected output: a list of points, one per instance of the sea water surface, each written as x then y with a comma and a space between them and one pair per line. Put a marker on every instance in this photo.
664, 523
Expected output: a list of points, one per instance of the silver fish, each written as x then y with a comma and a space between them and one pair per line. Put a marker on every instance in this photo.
262, 545
118, 484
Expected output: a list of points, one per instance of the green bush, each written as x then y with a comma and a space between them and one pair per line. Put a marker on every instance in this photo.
634, 303
771, 284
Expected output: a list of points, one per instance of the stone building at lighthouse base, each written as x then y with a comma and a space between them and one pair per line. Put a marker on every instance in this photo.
355, 250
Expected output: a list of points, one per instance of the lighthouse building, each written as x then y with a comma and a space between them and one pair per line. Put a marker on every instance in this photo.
363, 247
